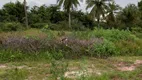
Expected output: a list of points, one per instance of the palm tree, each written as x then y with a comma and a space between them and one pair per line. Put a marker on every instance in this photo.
26, 15
68, 5
112, 10
130, 15
98, 9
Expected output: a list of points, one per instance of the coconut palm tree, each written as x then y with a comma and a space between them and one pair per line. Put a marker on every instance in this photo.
99, 8
112, 10
68, 5
26, 15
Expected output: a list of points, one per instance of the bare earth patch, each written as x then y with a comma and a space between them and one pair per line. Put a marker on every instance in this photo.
125, 67
2, 66
76, 72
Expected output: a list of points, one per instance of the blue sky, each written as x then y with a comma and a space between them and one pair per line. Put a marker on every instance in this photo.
123, 3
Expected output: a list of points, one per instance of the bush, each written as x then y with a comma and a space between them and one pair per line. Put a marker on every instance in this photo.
39, 25
105, 49
63, 25
114, 34
129, 48
11, 26
78, 26
54, 27
137, 29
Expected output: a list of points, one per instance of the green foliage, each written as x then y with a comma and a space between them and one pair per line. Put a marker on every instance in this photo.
58, 69
116, 75
129, 48
11, 26
129, 16
60, 26
15, 74
99, 8
12, 12
105, 49
114, 34
39, 25
78, 26
98, 43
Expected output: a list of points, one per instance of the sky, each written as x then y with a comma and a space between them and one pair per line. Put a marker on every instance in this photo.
31, 3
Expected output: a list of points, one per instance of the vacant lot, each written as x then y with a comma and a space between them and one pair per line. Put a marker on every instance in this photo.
61, 55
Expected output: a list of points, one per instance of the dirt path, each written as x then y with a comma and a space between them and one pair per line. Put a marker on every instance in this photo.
125, 67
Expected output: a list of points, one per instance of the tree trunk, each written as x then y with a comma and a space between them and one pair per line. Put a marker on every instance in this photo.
98, 20
26, 15
69, 19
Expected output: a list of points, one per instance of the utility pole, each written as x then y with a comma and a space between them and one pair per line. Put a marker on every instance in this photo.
26, 15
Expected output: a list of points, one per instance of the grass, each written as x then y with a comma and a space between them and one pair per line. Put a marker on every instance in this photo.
104, 69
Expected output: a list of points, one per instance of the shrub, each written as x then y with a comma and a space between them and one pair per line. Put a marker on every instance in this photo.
77, 25
114, 34
129, 48
54, 27
39, 25
105, 49
11, 26
63, 25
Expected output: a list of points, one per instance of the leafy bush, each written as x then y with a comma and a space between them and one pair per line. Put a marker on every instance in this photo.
114, 34
129, 48
11, 26
39, 25
77, 25
63, 25
137, 29
54, 27
105, 49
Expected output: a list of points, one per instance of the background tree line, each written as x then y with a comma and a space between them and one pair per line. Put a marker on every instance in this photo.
104, 13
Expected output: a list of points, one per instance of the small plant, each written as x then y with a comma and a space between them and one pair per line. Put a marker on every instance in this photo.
58, 69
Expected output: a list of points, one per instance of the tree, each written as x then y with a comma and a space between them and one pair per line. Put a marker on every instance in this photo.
140, 9
130, 16
112, 11
12, 12
68, 5
140, 5
26, 15
98, 8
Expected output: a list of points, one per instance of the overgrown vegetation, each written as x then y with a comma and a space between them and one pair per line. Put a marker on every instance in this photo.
99, 43
45, 42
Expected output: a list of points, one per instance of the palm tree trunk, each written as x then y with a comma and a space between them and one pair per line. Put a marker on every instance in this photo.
98, 20
69, 19
26, 15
